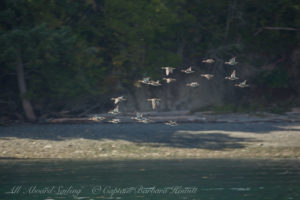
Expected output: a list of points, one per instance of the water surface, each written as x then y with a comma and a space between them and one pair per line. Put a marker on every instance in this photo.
214, 179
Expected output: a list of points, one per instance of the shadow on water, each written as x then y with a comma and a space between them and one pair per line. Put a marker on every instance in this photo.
150, 179
188, 135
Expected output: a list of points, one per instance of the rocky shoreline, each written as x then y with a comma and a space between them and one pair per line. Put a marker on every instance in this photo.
102, 141
186, 117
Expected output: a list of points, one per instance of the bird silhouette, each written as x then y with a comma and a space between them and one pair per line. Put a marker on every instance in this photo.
242, 84
168, 70
155, 102
188, 70
115, 110
171, 123
145, 120
232, 61
115, 121
208, 61
169, 80
232, 77
207, 76
145, 80
155, 83
138, 117
118, 99
97, 118
192, 84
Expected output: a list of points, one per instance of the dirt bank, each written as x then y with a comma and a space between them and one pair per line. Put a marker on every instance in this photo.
151, 141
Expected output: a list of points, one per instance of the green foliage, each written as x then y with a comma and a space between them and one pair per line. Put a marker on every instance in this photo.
59, 65
82, 49
277, 78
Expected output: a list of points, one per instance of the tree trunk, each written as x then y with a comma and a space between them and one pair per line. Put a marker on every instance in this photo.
29, 113
230, 15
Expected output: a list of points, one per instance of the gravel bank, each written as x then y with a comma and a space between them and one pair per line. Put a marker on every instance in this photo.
151, 141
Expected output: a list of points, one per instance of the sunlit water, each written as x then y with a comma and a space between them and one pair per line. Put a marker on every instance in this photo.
152, 179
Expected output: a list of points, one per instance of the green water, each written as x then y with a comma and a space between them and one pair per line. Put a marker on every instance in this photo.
151, 179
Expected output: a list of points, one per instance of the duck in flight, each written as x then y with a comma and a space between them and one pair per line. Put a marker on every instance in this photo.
231, 61
155, 83
242, 84
115, 121
168, 70
115, 110
145, 120
171, 123
209, 61
169, 80
145, 80
97, 118
188, 70
154, 102
232, 77
138, 117
192, 84
118, 99
207, 76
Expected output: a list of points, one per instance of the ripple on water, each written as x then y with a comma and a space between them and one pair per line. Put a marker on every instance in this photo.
213, 179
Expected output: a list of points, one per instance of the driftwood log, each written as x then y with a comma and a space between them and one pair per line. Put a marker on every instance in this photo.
275, 28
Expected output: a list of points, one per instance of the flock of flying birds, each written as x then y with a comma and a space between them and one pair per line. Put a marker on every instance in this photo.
155, 101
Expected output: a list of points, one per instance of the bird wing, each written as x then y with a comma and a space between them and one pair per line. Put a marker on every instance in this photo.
233, 74
139, 115
167, 71
116, 109
153, 104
